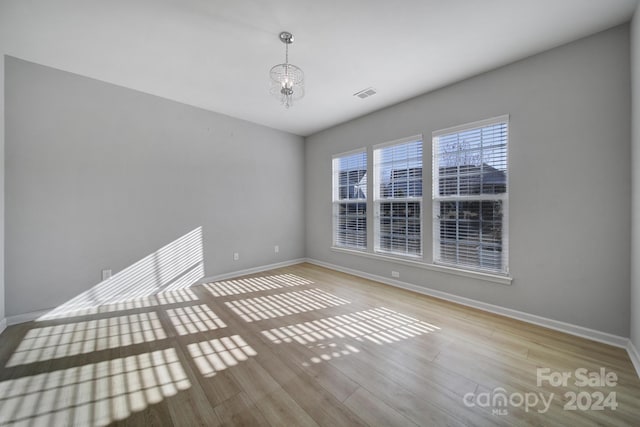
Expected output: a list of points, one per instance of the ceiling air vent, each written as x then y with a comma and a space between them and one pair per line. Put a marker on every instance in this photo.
365, 93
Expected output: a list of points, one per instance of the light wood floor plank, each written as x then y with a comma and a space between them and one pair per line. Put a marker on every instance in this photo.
240, 411
374, 411
304, 346
281, 410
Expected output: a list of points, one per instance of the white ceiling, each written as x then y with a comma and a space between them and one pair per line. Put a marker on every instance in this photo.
217, 54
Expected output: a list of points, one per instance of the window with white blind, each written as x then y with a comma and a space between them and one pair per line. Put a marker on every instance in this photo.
350, 200
470, 195
397, 190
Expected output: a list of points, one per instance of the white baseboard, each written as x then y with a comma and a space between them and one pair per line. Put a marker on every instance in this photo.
634, 355
557, 325
3, 325
26, 317
33, 315
252, 270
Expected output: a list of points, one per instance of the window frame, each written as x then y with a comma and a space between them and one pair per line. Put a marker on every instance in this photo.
481, 197
377, 200
336, 201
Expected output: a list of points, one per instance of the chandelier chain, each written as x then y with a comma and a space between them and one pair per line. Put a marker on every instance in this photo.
286, 54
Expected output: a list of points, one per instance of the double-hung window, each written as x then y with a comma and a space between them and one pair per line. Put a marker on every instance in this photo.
350, 200
398, 197
470, 195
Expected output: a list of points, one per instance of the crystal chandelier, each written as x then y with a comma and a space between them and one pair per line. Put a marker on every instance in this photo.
287, 80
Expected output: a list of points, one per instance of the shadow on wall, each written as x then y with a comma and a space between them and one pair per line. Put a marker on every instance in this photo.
175, 266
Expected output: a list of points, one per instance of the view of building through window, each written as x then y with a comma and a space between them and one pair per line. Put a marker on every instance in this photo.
350, 201
398, 197
470, 195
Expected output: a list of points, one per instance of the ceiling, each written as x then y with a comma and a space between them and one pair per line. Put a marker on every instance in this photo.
217, 54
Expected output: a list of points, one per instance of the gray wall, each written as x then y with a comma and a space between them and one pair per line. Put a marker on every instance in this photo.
569, 180
635, 185
2, 173
101, 176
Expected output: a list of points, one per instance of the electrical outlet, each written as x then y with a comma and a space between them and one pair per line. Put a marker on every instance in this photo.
106, 273
276, 249
395, 274
236, 256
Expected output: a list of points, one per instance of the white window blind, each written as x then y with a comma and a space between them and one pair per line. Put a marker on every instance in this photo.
350, 200
470, 195
398, 197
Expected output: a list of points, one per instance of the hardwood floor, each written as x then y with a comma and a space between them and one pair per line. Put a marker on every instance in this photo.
304, 345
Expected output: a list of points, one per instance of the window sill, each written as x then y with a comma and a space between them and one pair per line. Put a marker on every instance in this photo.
495, 278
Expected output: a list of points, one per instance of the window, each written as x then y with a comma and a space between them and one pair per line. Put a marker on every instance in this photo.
398, 197
350, 200
470, 195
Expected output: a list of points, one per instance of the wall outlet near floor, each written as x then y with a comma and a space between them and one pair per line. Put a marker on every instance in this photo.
276, 249
106, 273
395, 274
236, 256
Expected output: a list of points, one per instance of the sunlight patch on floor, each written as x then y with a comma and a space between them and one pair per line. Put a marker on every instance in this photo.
93, 394
255, 284
164, 298
194, 319
378, 325
219, 354
70, 339
284, 304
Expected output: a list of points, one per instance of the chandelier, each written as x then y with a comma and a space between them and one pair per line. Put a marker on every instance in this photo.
287, 80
